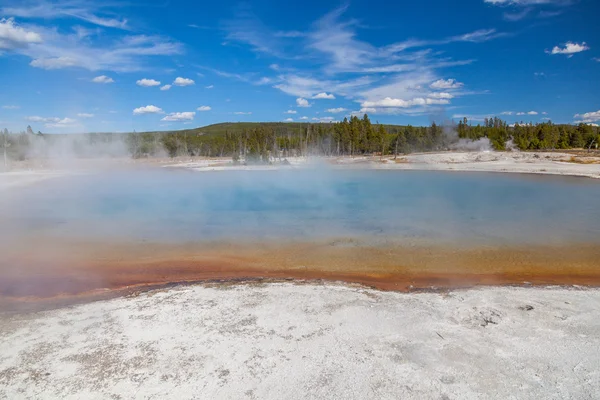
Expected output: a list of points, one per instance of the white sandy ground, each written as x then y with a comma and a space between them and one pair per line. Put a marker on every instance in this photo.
519, 162
309, 341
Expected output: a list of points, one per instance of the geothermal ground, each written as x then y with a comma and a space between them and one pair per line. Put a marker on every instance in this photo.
553, 163
308, 341
268, 338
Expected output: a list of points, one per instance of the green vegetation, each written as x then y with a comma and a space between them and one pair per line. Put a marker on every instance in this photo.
261, 142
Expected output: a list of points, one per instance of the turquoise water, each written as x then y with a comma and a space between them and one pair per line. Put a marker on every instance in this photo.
181, 206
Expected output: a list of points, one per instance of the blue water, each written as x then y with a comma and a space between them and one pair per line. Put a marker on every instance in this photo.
184, 206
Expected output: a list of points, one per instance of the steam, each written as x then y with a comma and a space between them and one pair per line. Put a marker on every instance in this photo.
482, 144
463, 144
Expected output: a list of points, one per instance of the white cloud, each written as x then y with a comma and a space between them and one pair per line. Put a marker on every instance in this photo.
507, 113
521, 113
303, 118
102, 79
180, 116
324, 119
204, 108
263, 81
10, 107
147, 82
35, 118
544, 113
336, 110
303, 86
301, 102
289, 120
61, 123
209, 86
291, 112
440, 95
85, 115
588, 117
446, 84
324, 95
85, 11
400, 103
54, 62
165, 87
526, 2
95, 52
13, 36
569, 49
243, 113
150, 109
53, 122
179, 81
274, 67
517, 16
597, 59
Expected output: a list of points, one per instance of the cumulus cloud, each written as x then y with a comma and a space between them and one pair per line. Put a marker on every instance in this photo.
209, 87
165, 87
336, 110
400, 103
588, 117
446, 84
204, 108
288, 120
85, 115
291, 112
569, 49
243, 113
147, 82
180, 116
323, 95
179, 81
302, 102
150, 109
102, 79
303, 118
13, 36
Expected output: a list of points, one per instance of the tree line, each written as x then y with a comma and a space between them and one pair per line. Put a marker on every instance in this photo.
264, 142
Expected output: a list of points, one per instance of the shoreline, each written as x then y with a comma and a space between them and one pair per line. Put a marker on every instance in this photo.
545, 163
538, 163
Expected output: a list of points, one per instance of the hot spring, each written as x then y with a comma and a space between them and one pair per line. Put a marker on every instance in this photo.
393, 229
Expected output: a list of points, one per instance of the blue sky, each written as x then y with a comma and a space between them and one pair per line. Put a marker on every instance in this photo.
82, 66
